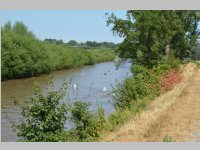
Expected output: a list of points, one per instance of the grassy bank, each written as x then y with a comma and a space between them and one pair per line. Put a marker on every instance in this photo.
162, 118
135, 93
23, 55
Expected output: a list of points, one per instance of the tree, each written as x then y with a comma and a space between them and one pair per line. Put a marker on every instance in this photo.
8, 26
21, 28
190, 34
150, 35
73, 42
54, 41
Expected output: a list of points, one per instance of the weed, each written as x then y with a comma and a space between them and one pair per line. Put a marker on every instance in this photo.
168, 138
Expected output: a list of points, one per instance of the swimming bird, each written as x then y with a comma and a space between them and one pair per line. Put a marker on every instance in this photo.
74, 86
104, 89
113, 94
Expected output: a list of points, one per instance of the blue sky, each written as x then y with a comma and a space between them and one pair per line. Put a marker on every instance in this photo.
79, 25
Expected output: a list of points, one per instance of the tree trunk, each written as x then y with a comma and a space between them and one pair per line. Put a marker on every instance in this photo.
167, 49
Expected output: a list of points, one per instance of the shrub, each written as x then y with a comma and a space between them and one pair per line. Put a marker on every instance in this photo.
100, 118
84, 121
23, 55
117, 118
173, 62
44, 117
91, 59
132, 89
145, 83
197, 63
168, 138
169, 80
139, 69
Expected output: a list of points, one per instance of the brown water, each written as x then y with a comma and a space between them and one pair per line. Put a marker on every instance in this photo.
93, 84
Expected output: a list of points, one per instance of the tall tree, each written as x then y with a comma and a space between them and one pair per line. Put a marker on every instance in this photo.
150, 35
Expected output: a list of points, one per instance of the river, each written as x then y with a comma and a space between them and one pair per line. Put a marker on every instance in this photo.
90, 83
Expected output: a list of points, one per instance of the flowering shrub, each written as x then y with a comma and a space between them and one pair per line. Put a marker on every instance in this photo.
146, 82
169, 80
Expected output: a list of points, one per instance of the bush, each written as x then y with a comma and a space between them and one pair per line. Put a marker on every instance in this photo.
84, 122
117, 118
23, 55
101, 121
44, 117
144, 83
132, 89
173, 62
139, 69
129, 92
167, 138
169, 80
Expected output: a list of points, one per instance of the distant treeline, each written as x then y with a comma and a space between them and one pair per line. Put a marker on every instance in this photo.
23, 55
87, 44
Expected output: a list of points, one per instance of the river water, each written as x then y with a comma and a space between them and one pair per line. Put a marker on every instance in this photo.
91, 83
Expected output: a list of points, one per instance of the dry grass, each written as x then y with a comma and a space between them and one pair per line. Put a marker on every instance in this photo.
175, 113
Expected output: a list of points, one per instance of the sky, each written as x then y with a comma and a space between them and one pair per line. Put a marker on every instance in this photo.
79, 25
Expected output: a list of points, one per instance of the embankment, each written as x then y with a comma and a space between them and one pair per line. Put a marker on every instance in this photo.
175, 114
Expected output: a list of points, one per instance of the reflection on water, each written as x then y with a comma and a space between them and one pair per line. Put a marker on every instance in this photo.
91, 83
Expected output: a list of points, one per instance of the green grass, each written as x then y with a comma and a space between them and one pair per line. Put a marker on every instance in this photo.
197, 63
168, 138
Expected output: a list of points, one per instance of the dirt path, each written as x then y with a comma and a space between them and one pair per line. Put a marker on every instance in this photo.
175, 113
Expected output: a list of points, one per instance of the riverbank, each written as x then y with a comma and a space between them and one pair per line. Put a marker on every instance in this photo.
67, 60
24, 55
174, 115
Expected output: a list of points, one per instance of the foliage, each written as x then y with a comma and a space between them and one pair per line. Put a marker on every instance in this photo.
128, 92
150, 35
157, 42
117, 118
44, 117
54, 41
197, 49
139, 69
92, 44
23, 55
134, 93
169, 80
168, 138
86, 124
198, 64
84, 121
145, 82
101, 55
72, 43
101, 121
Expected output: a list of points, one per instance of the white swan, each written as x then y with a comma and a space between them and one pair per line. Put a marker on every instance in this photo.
104, 89
74, 86
113, 94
